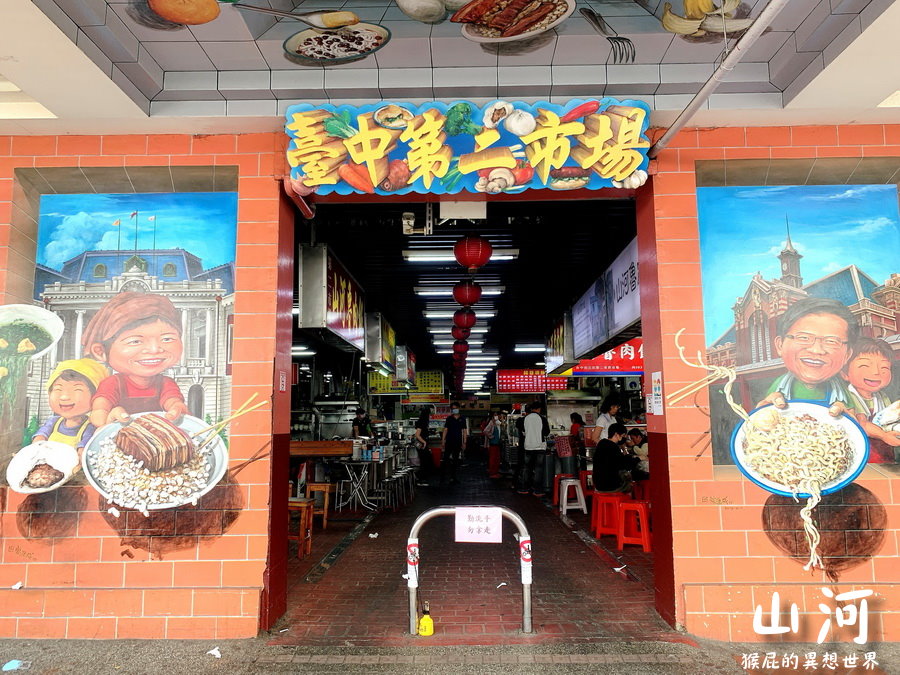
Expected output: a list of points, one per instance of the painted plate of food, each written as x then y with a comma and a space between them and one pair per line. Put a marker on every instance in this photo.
496, 21
151, 464
41, 467
338, 45
800, 450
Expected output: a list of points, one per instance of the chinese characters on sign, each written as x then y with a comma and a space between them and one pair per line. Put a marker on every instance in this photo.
427, 382
344, 305
840, 613
626, 359
792, 662
479, 525
441, 148
529, 381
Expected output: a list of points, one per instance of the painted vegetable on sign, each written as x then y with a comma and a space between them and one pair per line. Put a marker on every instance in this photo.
446, 148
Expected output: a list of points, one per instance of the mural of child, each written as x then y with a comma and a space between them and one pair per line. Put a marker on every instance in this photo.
138, 335
868, 373
70, 388
814, 338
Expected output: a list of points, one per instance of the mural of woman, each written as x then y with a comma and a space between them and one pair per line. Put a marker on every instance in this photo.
139, 336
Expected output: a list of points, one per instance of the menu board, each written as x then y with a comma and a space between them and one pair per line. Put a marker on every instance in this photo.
623, 290
528, 381
626, 359
427, 382
590, 327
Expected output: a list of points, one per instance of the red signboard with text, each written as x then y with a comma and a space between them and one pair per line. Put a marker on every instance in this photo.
626, 359
528, 381
345, 313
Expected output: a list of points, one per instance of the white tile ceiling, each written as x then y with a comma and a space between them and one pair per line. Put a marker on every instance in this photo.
236, 65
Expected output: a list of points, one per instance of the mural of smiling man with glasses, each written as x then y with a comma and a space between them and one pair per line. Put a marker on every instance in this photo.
815, 339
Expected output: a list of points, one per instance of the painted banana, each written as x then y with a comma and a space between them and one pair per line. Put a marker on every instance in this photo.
715, 23
678, 24
727, 8
697, 9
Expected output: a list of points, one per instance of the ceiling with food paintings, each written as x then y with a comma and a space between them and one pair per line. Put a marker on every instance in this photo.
209, 58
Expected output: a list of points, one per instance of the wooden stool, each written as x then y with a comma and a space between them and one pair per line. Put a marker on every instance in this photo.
558, 477
605, 512
326, 489
304, 532
634, 525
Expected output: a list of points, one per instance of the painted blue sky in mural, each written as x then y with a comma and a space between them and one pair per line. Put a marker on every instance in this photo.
832, 226
202, 223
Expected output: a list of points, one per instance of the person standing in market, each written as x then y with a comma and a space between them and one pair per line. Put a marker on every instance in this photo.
362, 425
453, 440
492, 440
608, 411
426, 461
536, 431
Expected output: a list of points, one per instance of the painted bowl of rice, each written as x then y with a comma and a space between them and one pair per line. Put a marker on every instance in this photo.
788, 451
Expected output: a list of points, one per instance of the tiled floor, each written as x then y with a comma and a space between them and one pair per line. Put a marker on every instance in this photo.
474, 589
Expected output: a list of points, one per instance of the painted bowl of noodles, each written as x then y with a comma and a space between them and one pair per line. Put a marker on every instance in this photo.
790, 452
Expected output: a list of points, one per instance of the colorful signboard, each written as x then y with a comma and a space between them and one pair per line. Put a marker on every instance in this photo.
626, 359
427, 382
330, 299
446, 148
528, 381
381, 344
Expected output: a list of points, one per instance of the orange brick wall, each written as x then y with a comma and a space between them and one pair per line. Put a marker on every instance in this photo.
724, 564
85, 585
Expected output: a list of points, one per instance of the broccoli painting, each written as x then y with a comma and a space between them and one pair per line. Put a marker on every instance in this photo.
459, 120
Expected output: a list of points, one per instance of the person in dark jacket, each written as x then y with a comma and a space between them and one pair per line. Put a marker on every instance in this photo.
610, 461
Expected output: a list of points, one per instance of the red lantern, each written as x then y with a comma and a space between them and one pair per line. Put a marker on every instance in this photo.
464, 318
467, 293
460, 347
473, 252
460, 333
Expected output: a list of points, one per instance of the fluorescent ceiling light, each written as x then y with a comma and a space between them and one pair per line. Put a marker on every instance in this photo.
299, 348
892, 101
530, 348
482, 393
446, 255
307, 353
540, 363
295, 310
442, 331
438, 291
449, 315
450, 342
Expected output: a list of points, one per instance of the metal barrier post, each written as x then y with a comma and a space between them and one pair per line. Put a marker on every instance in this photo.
412, 560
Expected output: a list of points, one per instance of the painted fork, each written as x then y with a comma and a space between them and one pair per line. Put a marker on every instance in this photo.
623, 50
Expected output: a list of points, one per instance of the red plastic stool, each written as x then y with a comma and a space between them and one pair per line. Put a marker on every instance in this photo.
605, 512
586, 476
641, 490
634, 525
558, 477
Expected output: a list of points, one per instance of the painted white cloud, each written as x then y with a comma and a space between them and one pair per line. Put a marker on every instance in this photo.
870, 225
75, 234
849, 193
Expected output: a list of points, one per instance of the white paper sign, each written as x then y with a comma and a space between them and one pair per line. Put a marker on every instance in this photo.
480, 525
655, 403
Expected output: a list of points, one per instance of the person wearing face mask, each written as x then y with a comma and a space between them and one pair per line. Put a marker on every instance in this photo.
492, 440
453, 440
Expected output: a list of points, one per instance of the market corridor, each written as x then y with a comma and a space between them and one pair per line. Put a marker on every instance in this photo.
474, 590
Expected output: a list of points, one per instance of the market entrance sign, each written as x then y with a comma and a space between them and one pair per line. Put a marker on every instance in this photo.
446, 148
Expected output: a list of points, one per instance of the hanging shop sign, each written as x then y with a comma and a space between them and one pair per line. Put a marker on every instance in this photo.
419, 399
626, 359
590, 326
560, 352
406, 365
330, 299
427, 382
623, 290
381, 344
528, 382
446, 148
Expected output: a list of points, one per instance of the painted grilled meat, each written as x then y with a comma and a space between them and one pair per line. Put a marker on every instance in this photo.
156, 442
510, 17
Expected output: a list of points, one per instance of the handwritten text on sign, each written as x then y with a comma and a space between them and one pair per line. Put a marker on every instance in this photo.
482, 525
446, 148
